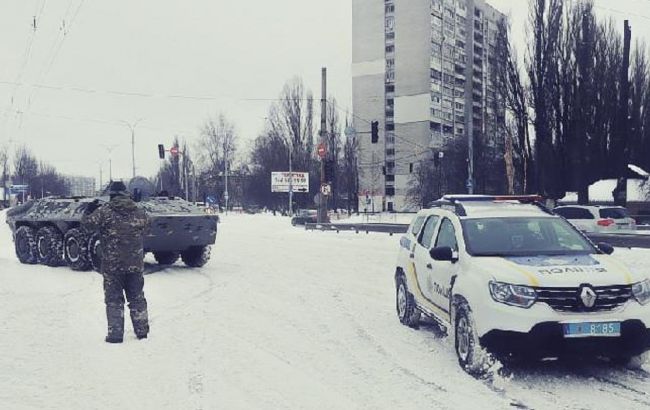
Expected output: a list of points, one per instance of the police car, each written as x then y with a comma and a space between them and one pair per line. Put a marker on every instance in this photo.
505, 275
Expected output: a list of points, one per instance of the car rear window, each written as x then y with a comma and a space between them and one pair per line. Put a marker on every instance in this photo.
613, 213
574, 213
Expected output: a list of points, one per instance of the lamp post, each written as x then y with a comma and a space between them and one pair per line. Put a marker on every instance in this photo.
132, 126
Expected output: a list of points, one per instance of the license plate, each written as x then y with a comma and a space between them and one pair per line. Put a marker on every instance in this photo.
590, 329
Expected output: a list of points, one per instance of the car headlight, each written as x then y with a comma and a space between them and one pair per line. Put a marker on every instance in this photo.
641, 291
514, 295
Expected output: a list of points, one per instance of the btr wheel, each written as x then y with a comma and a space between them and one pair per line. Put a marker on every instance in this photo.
196, 256
25, 243
49, 244
95, 252
407, 312
471, 356
75, 246
166, 258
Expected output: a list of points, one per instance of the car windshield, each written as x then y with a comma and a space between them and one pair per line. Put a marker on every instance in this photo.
523, 236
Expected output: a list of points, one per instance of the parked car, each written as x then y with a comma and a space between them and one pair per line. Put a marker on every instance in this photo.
596, 218
506, 276
304, 216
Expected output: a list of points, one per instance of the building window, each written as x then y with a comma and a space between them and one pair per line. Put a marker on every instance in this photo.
390, 88
435, 74
390, 191
390, 76
390, 8
390, 178
434, 126
390, 24
447, 129
390, 127
390, 152
435, 97
390, 48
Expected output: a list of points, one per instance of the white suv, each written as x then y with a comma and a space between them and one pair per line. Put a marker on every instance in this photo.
596, 218
506, 275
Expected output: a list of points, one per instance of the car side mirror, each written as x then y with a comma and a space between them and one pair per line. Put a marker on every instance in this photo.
443, 253
605, 248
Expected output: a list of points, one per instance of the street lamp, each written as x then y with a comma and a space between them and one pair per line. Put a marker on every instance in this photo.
132, 126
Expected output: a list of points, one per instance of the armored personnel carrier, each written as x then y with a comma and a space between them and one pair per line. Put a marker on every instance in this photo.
48, 231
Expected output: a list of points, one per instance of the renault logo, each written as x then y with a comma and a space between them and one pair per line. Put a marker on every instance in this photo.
588, 297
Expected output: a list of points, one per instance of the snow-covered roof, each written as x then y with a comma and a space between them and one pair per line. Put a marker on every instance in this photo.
638, 190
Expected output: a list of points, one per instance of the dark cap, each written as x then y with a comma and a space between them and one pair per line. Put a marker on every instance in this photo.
117, 188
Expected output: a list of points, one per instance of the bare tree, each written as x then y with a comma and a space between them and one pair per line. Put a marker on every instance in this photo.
4, 168
544, 52
519, 152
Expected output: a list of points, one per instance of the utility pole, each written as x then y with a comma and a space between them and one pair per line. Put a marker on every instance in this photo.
290, 178
322, 206
226, 196
622, 153
100, 176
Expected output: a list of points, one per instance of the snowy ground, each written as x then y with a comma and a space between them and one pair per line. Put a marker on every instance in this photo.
280, 318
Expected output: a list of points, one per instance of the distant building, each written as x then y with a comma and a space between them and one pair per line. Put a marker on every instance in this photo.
423, 69
81, 186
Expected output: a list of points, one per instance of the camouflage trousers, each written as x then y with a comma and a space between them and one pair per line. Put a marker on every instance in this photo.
116, 285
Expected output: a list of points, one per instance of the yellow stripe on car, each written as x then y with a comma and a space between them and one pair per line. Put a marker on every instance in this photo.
624, 269
531, 277
413, 279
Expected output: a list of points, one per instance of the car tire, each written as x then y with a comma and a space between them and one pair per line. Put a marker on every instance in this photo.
471, 356
75, 250
196, 256
166, 258
25, 245
95, 252
293, 222
631, 362
407, 312
49, 246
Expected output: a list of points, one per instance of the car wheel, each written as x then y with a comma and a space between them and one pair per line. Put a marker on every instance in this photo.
95, 251
25, 244
631, 362
471, 356
75, 247
196, 256
166, 258
49, 246
407, 312
293, 222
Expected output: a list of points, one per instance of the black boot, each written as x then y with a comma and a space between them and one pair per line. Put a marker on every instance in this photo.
115, 319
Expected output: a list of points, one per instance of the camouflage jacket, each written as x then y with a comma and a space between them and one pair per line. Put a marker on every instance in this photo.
121, 225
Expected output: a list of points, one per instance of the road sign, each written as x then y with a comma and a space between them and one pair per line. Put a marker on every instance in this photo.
322, 150
19, 188
210, 200
326, 189
280, 181
174, 150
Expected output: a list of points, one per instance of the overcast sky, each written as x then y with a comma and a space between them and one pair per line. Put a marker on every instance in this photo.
109, 62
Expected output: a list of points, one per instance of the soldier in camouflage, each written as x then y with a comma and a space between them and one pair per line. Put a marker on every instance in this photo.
121, 225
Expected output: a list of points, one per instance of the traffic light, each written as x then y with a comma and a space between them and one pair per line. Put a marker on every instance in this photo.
161, 151
374, 132
330, 166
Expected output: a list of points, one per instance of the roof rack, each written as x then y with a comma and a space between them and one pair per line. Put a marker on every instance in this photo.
454, 202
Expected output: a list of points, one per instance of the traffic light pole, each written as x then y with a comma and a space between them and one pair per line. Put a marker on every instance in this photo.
322, 202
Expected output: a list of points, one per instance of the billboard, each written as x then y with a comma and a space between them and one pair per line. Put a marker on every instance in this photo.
280, 181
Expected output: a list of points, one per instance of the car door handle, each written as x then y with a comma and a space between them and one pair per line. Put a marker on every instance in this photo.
429, 266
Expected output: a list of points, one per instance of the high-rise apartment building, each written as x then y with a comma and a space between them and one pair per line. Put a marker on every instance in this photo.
424, 70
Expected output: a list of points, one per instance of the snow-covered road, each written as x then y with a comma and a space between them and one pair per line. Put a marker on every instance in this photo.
280, 318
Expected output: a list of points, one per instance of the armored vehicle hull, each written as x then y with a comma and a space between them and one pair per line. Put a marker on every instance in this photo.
49, 231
